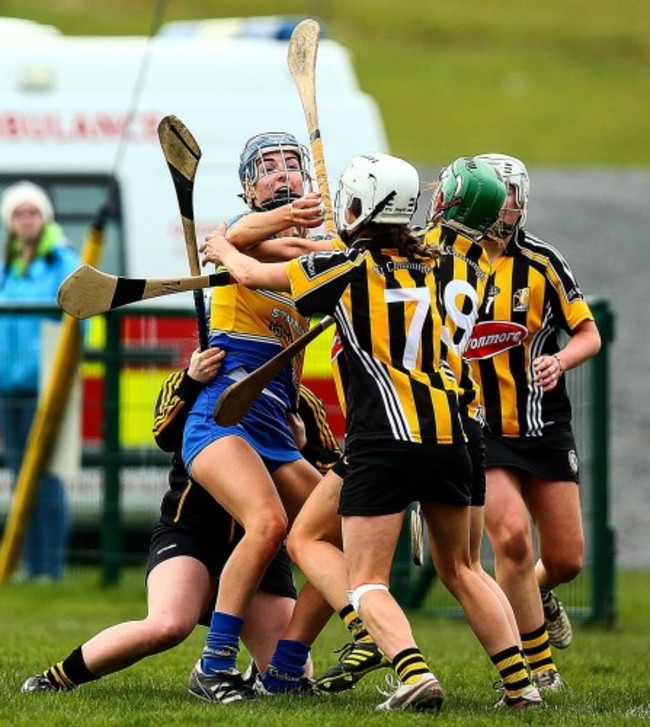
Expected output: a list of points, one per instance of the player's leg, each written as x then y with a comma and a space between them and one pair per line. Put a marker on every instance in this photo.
507, 524
234, 474
296, 482
315, 544
449, 540
179, 590
370, 544
555, 509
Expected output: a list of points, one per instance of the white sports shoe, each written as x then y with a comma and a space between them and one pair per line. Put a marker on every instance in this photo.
528, 699
424, 695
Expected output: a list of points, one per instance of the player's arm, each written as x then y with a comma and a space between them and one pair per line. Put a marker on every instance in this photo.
582, 345
178, 393
249, 272
305, 212
287, 248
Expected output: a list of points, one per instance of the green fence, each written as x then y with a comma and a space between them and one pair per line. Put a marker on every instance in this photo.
116, 495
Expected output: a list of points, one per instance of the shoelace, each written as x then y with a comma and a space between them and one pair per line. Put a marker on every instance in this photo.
393, 685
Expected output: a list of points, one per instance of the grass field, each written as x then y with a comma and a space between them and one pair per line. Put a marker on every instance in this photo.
606, 669
563, 82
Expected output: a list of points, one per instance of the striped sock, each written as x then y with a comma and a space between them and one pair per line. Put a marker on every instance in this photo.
354, 624
70, 673
537, 649
512, 670
410, 665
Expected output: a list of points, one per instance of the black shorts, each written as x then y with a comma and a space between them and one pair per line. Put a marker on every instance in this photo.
384, 478
213, 550
340, 466
553, 457
476, 451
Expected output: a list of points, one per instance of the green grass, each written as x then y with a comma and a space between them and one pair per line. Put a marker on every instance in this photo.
605, 668
559, 82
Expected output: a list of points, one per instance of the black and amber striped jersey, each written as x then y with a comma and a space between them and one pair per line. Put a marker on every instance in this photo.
388, 319
463, 268
531, 292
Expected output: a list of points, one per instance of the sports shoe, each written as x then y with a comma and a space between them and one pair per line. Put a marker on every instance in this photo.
302, 687
356, 659
556, 621
38, 683
220, 686
252, 674
423, 696
528, 699
548, 680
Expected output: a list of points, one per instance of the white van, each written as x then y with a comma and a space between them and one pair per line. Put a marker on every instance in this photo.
64, 107
65, 102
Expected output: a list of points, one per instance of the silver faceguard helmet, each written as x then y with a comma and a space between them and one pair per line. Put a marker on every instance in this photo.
514, 172
372, 179
253, 166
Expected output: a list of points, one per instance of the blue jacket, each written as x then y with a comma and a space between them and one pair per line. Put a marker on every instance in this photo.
20, 335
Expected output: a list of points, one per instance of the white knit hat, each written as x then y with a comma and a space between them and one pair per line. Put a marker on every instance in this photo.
23, 193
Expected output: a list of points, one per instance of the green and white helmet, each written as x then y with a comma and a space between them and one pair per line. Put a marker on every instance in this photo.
469, 196
514, 174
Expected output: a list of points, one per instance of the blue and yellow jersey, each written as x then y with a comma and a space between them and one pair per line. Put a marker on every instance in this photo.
390, 327
531, 292
252, 326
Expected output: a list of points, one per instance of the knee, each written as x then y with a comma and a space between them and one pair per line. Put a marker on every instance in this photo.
271, 530
564, 568
514, 547
168, 633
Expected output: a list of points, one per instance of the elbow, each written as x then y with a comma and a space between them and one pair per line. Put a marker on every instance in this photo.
597, 343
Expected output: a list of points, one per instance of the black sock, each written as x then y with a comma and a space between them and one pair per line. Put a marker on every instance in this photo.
71, 672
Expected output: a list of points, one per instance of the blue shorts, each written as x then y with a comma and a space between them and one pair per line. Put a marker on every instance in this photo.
264, 427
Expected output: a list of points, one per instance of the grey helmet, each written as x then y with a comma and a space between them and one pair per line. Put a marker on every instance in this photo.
252, 167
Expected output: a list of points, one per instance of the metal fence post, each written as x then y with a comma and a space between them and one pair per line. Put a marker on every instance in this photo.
603, 536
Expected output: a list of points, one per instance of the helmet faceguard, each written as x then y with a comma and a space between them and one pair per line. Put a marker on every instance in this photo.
469, 197
376, 188
254, 166
514, 174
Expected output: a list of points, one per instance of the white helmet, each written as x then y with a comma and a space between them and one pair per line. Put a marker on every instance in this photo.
514, 172
372, 181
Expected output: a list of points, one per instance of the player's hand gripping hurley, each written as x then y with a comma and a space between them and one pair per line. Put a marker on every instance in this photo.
237, 399
303, 49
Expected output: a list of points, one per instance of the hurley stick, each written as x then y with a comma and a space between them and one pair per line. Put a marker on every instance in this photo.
236, 400
303, 48
182, 154
88, 292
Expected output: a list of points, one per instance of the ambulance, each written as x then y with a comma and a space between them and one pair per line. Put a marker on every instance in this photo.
79, 115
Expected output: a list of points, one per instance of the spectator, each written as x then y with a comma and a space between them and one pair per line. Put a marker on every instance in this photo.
37, 259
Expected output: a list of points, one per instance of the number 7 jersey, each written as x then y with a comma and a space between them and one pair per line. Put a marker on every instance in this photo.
390, 326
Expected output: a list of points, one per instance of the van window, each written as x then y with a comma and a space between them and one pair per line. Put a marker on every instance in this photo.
77, 200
